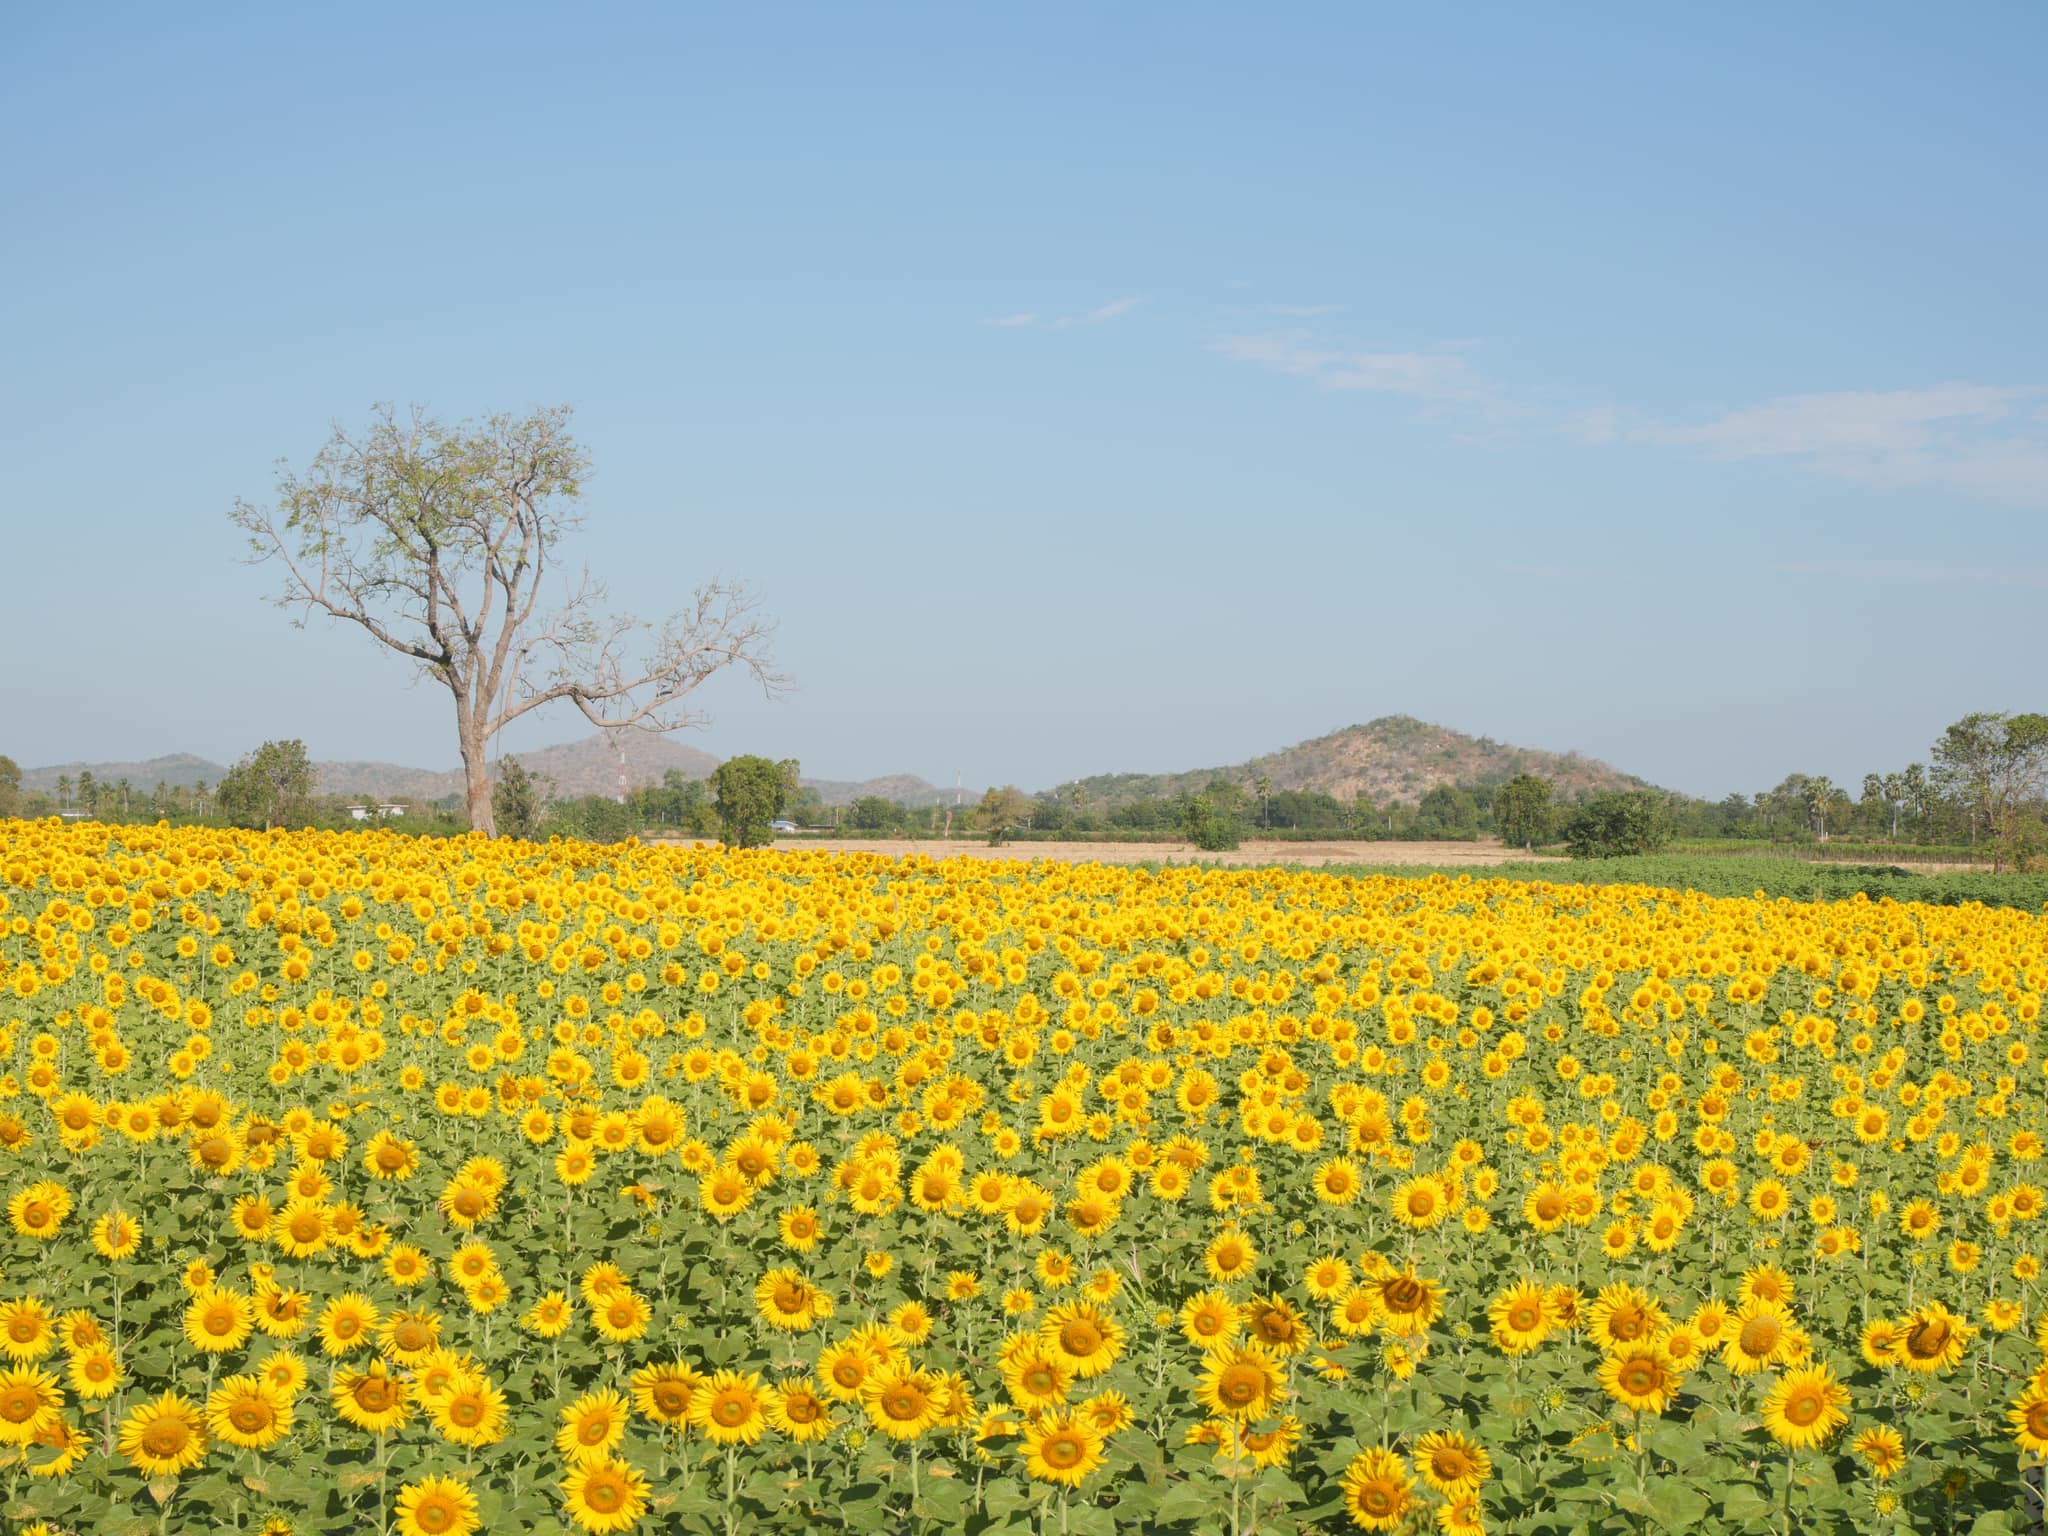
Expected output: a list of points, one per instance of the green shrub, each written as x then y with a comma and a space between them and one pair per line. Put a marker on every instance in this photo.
1209, 827
1619, 824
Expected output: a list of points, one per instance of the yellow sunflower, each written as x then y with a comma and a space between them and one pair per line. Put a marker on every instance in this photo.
164, 1436
1450, 1463
1241, 1383
605, 1495
900, 1402
247, 1411
437, 1506
1085, 1338
1641, 1376
799, 1412
729, 1408
1804, 1409
592, 1426
1061, 1448
1377, 1489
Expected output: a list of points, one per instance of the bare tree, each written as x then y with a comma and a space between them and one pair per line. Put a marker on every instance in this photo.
442, 543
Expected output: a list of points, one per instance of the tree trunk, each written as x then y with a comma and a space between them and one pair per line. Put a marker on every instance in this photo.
476, 772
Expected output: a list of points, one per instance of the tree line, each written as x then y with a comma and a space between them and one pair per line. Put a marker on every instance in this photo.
276, 785
1984, 787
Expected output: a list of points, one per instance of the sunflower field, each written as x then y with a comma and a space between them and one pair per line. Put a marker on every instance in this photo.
364, 1183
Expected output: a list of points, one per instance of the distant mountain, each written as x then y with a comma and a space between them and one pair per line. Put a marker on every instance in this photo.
386, 781
181, 770
906, 788
590, 766
1394, 760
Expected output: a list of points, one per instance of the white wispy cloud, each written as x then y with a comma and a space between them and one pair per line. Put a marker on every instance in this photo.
1429, 375
1102, 314
1989, 441
1114, 309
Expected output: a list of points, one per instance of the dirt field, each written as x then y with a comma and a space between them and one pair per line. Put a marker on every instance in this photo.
1253, 854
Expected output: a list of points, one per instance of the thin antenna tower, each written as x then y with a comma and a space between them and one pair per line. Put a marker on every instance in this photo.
957, 782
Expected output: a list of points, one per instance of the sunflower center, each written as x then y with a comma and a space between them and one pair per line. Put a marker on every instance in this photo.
1240, 1385
1759, 1336
1080, 1339
18, 1405
250, 1416
165, 1438
1803, 1408
1062, 1451
375, 1394
1927, 1339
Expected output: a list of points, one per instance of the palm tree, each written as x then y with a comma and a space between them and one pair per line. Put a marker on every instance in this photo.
63, 791
1820, 794
1895, 798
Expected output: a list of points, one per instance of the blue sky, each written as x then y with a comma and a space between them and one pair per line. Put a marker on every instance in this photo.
1084, 388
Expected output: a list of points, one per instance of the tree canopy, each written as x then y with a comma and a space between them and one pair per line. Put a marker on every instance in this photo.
748, 793
445, 545
1522, 810
1618, 824
271, 787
